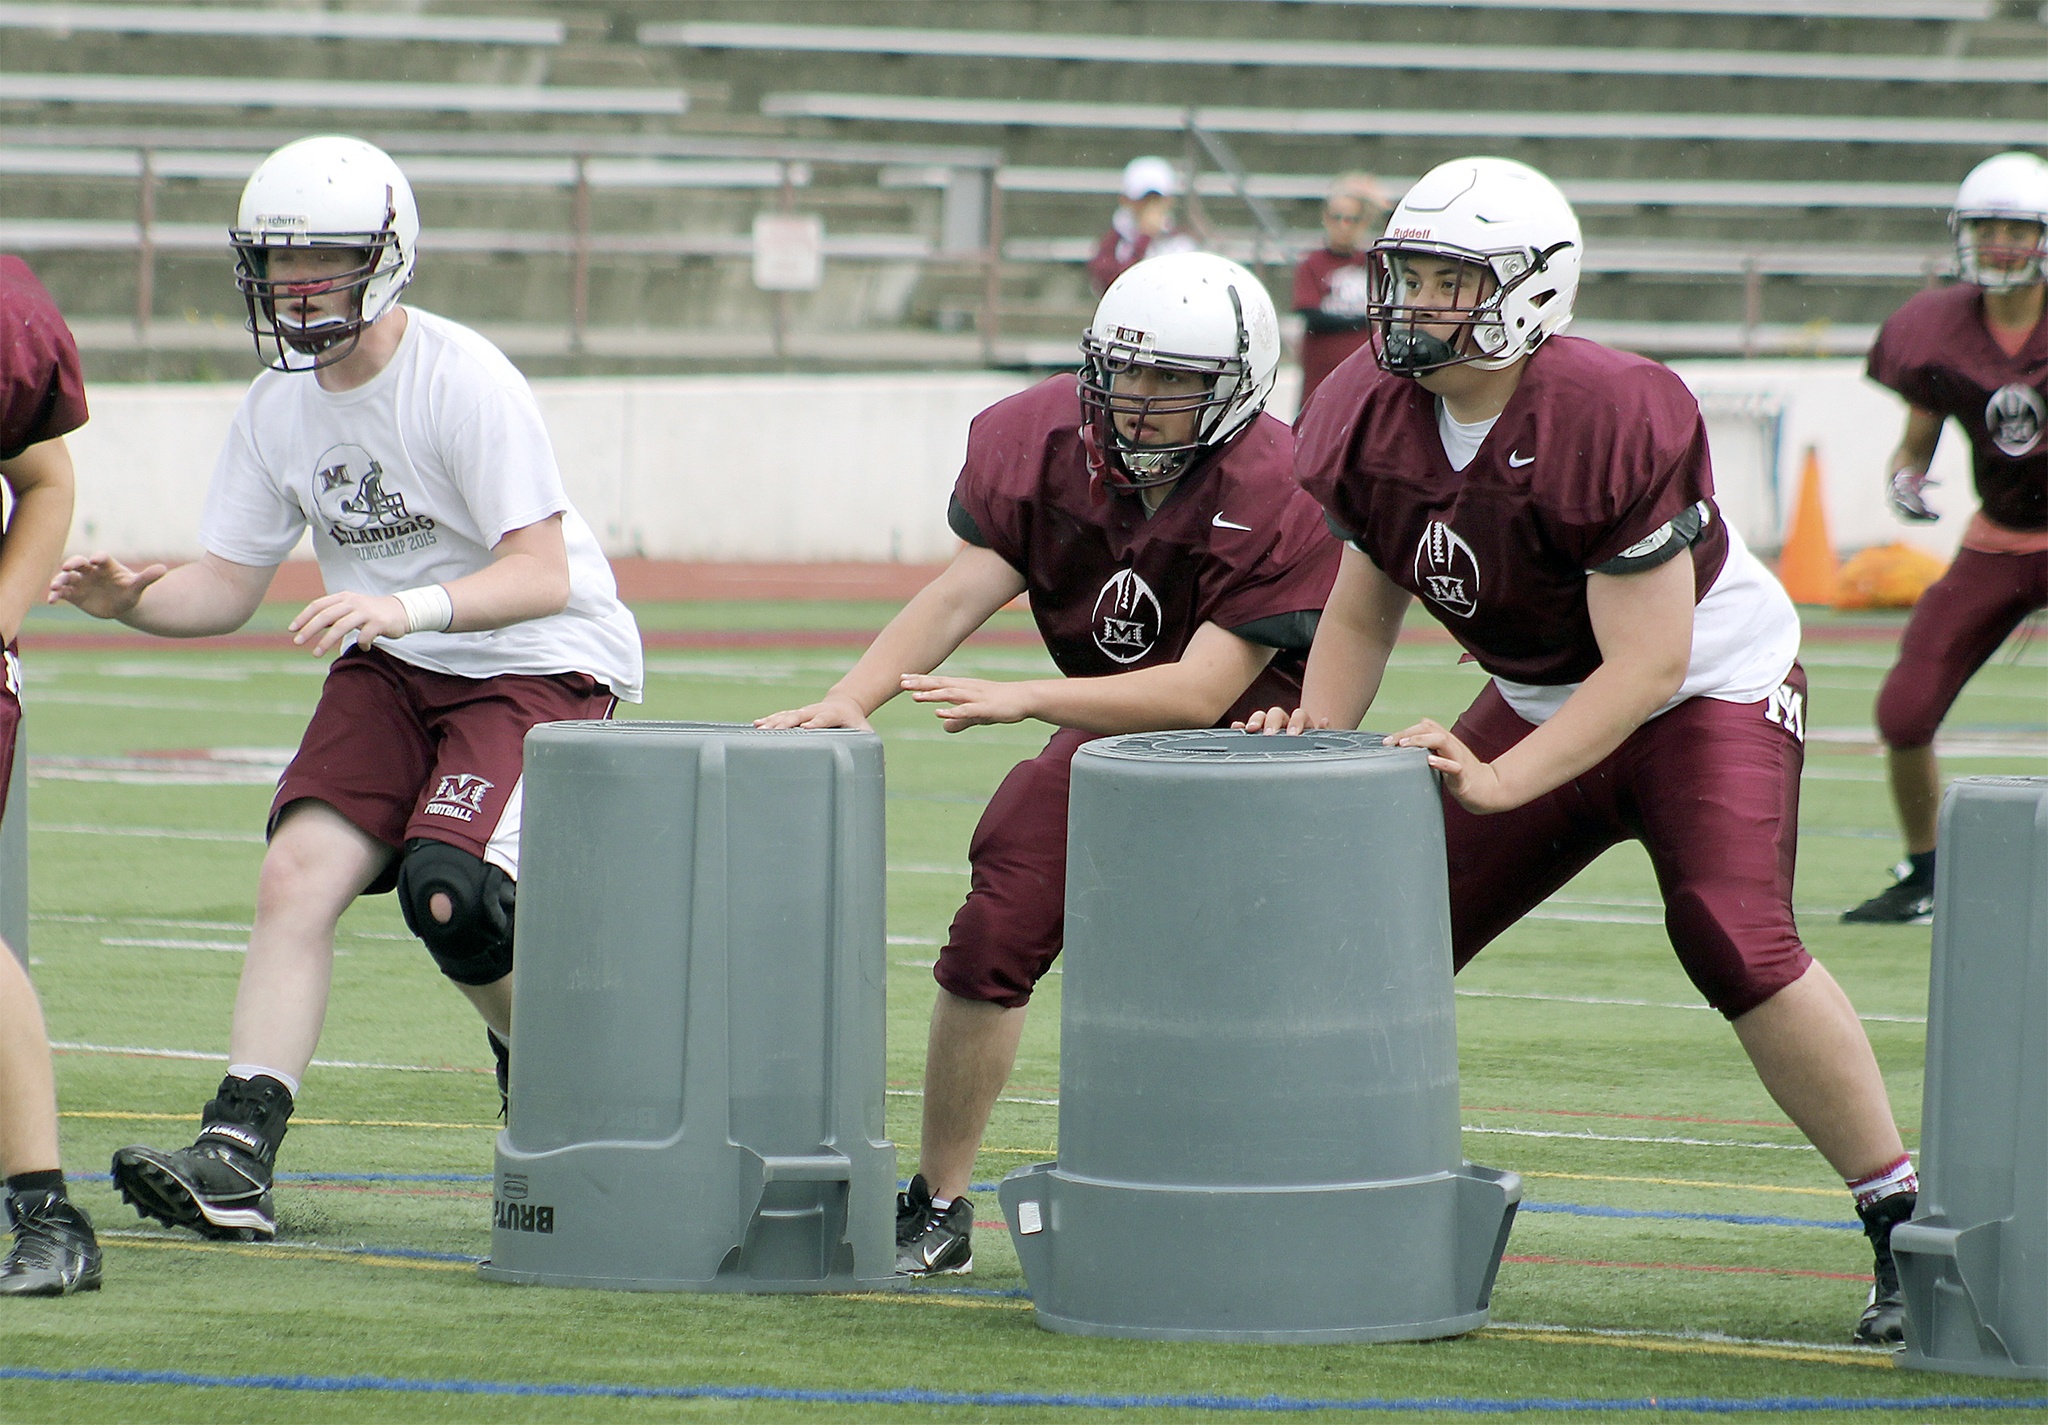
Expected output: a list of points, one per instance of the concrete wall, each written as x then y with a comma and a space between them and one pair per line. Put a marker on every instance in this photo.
816, 468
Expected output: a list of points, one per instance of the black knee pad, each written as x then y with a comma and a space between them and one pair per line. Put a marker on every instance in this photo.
474, 945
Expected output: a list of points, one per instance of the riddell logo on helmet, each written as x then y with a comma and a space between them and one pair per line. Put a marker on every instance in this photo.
1408, 232
288, 222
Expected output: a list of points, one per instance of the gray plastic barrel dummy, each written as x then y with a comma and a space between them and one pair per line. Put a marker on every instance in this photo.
14, 851
1974, 1259
1258, 1125
697, 1015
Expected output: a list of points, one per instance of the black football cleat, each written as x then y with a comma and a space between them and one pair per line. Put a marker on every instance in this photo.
212, 1187
55, 1252
501, 1056
930, 1243
1909, 900
1884, 1319
220, 1186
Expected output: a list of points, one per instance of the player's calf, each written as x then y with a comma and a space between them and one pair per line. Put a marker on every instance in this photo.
220, 1186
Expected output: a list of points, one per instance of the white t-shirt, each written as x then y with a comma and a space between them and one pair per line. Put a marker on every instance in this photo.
1745, 632
411, 479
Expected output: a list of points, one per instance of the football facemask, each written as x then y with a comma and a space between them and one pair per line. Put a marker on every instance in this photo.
1434, 305
289, 335
1995, 265
1109, 405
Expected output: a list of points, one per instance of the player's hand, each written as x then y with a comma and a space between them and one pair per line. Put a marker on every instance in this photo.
102, 585
1474, 783
828, 711
1905, 496
972, 702
1273, 721
333, 617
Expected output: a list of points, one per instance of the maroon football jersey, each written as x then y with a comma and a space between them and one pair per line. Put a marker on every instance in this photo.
1236, 544
1331, 290
1937, 353
1596, 451
42, 389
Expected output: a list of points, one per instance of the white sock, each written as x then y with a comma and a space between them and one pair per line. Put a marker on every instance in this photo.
940, 1204
251, 1071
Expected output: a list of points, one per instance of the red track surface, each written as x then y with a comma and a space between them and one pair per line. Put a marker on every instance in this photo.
669, 581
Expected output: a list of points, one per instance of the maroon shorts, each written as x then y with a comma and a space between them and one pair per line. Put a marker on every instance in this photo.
10, 718
403, 752
1711, 789
1957, 625
1011, 928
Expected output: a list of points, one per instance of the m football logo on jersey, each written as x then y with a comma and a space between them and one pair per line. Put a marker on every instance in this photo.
1127, 617
349, 493
1446, 570
460, 796
2015, 415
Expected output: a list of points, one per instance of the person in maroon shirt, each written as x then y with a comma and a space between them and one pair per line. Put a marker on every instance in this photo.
42, 399
1174, 570
1976, 353
1551, 504
1330, 285
1143, 224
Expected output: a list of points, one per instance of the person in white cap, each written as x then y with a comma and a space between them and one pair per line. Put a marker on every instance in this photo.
1143, 226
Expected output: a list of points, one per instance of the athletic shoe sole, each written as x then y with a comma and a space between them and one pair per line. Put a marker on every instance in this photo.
154, 1188
960, 1271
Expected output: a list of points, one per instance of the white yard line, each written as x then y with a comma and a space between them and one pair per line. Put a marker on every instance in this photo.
1655, 1004
167, 833
70, 1046
1626, 1138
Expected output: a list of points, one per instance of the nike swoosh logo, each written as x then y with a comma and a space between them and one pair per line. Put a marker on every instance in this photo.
1222, 523
1525, 460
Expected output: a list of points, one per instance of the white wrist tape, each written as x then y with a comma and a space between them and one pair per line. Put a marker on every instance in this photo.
428, 609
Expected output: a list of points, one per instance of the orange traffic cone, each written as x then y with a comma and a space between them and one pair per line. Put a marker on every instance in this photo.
1806, 565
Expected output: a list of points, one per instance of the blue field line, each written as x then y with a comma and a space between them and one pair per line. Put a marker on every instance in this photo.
1744, 1219
907, 1395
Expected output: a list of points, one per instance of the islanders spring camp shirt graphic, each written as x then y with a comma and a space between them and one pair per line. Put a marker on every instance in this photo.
411, 479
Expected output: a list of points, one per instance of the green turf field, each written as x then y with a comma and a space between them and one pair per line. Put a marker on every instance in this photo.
1589, 1066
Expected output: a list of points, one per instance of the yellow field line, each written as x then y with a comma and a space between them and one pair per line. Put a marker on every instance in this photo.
296, 1122
1691, 1348
287, 1254
1691, 1183
907, 1298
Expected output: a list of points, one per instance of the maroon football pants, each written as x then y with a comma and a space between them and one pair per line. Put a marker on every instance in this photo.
1710, 788
1011, 927
1955, 628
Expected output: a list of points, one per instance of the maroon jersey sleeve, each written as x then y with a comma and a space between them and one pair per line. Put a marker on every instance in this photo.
1285, 562
1906, 354
1008, 448
42, 387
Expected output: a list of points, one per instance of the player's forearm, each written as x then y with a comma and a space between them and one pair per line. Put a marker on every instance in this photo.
1354, 639
923, 635
1597, 718
199, 600
33, 548
511, 589
1917, 445
1145, 700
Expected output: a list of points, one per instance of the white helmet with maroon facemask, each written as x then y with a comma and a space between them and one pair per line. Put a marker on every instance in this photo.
325, 192
1518, 245
1186, 311
2008, 187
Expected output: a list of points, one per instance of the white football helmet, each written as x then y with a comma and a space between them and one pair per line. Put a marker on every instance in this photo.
326, 192
1185, 311
2009, 187
1519, 247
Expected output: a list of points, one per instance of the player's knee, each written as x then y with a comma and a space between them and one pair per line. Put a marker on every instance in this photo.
461, 906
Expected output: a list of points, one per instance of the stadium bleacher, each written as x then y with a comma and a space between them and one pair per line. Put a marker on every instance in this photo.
1771, 169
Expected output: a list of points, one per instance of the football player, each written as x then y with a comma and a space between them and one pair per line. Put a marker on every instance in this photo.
1977, 353
1550, 503
468, 599
1174, 570
1142, 226
1331, 286
42, 398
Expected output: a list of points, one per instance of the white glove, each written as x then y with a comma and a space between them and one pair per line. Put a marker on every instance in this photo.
1905, 496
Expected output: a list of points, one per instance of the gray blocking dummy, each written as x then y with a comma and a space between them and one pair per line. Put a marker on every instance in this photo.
1258, 1129
14, 851
1974, 1259
697, 1021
